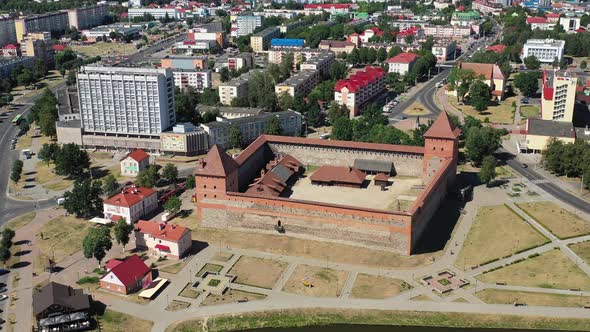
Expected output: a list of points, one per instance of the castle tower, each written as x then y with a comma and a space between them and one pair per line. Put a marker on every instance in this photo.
441, 141
215, 175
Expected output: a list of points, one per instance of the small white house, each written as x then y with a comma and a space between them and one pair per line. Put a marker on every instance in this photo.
161, 239
131, 203
134, 162
402, 63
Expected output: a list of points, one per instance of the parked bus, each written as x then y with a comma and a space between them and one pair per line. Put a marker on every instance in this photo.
17, 119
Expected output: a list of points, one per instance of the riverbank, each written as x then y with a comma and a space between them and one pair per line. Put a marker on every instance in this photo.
314, 317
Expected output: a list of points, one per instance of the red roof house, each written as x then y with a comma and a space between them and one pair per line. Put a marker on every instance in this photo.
496, 48
134, 162
131, 203
162, 239
338, 176
402, 63
126, 276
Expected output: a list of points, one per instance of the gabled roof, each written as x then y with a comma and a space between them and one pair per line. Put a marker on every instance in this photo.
537, 20
359, 79
61, 295
404, 57
487, 70
129, 270
130, 196
137, 155
216, 163
443, 128
338, 174
162, 231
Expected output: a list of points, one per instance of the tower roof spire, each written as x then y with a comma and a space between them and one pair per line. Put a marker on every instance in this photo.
443, 127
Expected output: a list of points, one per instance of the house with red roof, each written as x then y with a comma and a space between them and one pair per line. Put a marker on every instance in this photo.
490, 74
163, 240
134, 162
11, 50
126, 276
415, 32
328, 175
131, 203
402, 63
541, 23
360, 87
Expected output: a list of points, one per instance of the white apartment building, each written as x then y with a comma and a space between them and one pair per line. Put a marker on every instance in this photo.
402, 63
558, 95
300, 83
88, 16
157, 13
7, 31
360, 87
247, 24
240, 61
200, 80
545, 50
126, 101
235, 88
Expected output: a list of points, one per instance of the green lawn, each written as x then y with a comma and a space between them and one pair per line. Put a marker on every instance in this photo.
501, 113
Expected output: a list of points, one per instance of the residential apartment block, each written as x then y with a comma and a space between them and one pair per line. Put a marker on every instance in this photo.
261, 40
558, 95
337, 46
360, 87
545, 50
7, 31
54, 22
126, 101
450, 31
444, 50
235, 88
247, 24
88, 17
157, 13
200, 80
300, 83
320, 62
185, 62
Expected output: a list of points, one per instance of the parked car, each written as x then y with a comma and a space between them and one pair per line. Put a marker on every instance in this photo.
3, 297
524, 101
3, 290
525, 166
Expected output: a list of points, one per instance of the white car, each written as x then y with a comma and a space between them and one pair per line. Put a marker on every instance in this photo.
3, 297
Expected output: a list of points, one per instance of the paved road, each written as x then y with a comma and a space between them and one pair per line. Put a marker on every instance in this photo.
144, 54
551, 188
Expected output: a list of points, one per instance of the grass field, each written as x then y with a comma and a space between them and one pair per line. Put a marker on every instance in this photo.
529, 111
173, 268
498, 296
502, 172
582, 249
21, 221
232, 296
416, 109
549, 270
249, 271
377, 287
222, 257
318, 317
104, 49
209, 268
49, 180
177, 305
50, 238
496, 232
501, 113
114, 321
325, 282
189, 291
561, 222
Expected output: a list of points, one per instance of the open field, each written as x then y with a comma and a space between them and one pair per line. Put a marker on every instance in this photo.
561, 222
549, 270
502, 172
222, 257
529, 111
496, 232
282, 245
21, 221
325, 282
498, 296
317, 317
46, 177
582, 249
104, 49
501, 113
258, 272
50, 237
416, 109
377, 287
232, 296
173, 268
209, 268
114, 321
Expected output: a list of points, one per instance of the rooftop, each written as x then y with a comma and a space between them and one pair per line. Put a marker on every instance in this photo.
404, 58
217, 163
137, 155
129, 270
54, 294
249, 119
545, 42
163, 231
550, 128
130, 196
359, 79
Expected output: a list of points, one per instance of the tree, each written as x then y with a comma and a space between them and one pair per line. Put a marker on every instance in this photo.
71, 161
7, 237
481, 142
286, 101
173, 205
24, 126
273, 127
342, 129
394, 51
235, 137
224, 74
4, 254
190, 182
110, 185
17, 169
84, 199
337, 70
25, 78
96, 243
371, 55
527, 83
488, 170
460, 81
148, 177
48, 152
121, 232
531, 62
337, 111
381, 55
479, 95
170, 173
353, 57
71, 80
583, 64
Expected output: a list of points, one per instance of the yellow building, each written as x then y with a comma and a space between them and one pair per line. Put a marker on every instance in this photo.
490, 74
261, 40
538, 132
558, 95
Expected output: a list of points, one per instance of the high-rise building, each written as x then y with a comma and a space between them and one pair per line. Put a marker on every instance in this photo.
558, 95
88, 17
360, 87
7, 31
126, 101
54, 22
261, 40
247, 24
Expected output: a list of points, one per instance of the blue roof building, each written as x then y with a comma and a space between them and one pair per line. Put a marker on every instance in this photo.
286, 42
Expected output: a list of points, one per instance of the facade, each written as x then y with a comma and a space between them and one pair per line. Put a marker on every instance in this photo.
126, 276
187, 62
252, 127
570, 23
216, 36
11, 51
8, 65
261, 40
200, 80
235, 88
276, 54
157, 13
545, 50
54, 22
448, 31
444, 51
300, 83
558, 96
247, 24
490, 75
105, 31
335, 8
131, 203
402, 63
7, 31
126, 101
88, 17
541, 23
286, 28
223, 199
487, 7
190, 46
163, 240
184, 140
355, 91
320, 63
134, 162
60, 307
337, 46
538, 132
239, 61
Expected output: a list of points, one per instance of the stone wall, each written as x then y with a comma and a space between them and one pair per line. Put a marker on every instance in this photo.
406, 164
250, 169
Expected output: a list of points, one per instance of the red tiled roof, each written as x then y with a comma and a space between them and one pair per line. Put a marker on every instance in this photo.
552, 15
497, 48
404, 58
10, 47
58, 47
359, 79
137, 155
338, 174
442, 128
381, 177
216, 163
327, 5
412, 31
112, 263
162, 231
129, 197
538, 20
487, 70
130, 270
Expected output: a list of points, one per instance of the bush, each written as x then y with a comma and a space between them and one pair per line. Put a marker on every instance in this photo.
87, 280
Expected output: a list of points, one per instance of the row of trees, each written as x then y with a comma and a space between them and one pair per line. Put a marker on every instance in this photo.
17, 170
569, 159
6, 244
98, 241
187, 101
44, 113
